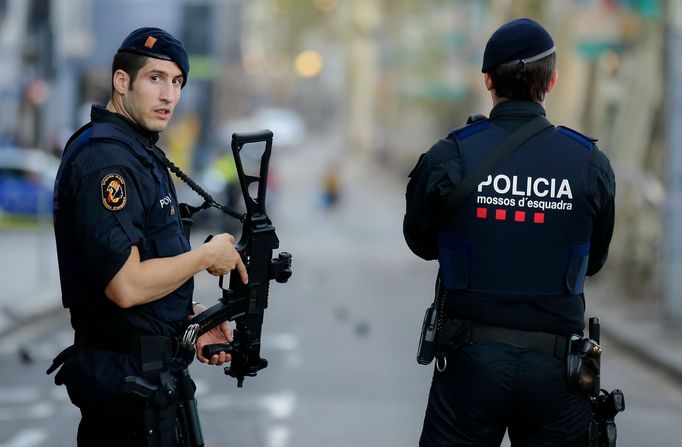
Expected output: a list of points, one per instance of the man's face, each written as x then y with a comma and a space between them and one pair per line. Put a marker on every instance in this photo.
154, 94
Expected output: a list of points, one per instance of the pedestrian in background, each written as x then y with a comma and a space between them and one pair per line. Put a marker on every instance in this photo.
331, 186
126, 266
513, 257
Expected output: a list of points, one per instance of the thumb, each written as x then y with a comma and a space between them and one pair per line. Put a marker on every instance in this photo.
226, 329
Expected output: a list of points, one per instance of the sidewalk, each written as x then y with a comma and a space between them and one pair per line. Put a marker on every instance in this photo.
638, 327
29, 277
30, 287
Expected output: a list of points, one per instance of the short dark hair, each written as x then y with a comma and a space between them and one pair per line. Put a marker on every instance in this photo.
131, 63
530, 85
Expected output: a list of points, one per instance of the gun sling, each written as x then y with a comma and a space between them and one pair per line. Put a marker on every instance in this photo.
503, 151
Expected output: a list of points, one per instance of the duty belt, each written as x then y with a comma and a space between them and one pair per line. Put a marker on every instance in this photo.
132, 344
556, 345
150, 349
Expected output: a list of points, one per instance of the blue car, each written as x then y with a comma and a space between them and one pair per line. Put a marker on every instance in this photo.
26, 181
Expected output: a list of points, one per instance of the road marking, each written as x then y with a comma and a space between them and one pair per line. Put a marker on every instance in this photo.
283, 342
289, 343
214, 402
277, 436
278, 406
20, 395
293, 360
27, 438
40, 410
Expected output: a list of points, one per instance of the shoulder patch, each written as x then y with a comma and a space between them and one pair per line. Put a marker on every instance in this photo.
113, 192
471, 129
585, 140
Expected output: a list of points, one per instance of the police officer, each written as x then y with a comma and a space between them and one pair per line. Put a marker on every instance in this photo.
513, 257
126, 266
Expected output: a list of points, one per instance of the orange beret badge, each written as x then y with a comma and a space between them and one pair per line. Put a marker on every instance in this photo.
113, 192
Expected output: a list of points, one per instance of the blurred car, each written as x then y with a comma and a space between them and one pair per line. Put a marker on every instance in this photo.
287, 126
26, 181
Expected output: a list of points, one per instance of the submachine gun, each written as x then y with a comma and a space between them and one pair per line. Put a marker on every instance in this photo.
244, 304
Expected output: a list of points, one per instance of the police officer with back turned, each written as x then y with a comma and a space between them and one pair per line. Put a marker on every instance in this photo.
513, 256
126, 266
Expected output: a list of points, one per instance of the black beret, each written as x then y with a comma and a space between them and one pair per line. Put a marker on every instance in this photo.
157, 43
517, 40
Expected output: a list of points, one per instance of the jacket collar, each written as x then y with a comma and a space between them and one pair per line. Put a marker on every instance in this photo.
517, 110
113, 125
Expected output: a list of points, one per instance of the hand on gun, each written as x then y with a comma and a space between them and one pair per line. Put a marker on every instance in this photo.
223, 257
220, 335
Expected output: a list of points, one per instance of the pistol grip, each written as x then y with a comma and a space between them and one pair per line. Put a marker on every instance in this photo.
209, 351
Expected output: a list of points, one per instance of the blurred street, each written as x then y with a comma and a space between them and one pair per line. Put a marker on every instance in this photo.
354, 91
340, 337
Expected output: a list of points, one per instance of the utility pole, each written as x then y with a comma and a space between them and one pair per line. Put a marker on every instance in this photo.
672, 256
12, 33
364, 20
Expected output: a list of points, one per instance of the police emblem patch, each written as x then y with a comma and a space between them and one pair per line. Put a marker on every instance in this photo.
113, 192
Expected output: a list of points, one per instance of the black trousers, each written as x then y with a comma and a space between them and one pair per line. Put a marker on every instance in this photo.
491, 387
93, 379
111, 427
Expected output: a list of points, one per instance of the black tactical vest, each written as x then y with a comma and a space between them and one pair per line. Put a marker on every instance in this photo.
162, 235
524, 233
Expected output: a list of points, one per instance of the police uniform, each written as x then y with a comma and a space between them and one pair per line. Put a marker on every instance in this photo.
513, 259
112, 193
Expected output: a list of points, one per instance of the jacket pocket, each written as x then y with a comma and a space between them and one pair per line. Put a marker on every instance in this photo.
165, 247
455, 267
577, 268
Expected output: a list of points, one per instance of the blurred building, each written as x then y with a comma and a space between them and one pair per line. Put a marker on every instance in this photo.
55, 59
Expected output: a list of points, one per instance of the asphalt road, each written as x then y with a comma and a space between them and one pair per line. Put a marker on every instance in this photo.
340, 338
335, 379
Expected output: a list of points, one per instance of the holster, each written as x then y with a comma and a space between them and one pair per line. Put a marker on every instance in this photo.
159, 407
426, 350
582, 366
432, 326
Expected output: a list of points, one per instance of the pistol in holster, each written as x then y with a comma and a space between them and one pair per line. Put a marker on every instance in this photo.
158, 406
583, 366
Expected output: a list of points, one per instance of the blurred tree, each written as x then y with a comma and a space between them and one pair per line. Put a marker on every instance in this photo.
411, 72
